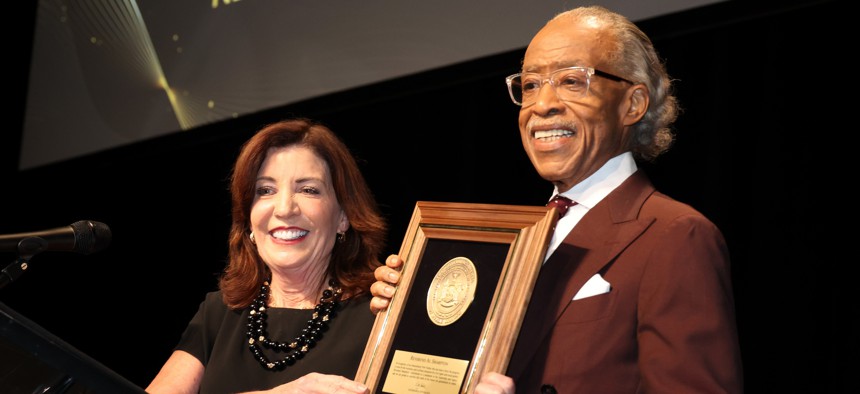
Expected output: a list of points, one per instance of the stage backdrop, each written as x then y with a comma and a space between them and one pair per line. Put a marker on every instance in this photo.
114, 72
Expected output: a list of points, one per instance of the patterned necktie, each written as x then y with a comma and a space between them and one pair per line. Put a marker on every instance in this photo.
561, 204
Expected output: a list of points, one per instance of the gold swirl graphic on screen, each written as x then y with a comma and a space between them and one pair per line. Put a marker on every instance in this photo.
452, 291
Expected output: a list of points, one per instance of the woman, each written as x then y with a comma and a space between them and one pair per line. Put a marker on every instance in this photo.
292, 310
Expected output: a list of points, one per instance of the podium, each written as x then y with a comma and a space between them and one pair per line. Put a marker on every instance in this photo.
32, 360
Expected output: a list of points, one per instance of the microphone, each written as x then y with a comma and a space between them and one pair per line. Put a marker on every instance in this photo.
83, 236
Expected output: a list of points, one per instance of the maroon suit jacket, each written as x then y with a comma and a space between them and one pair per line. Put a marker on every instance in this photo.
666, 326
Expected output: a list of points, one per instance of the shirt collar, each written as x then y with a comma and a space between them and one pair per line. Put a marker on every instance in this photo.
590, 191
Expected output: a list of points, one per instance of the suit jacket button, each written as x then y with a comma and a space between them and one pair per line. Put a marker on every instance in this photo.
548, 389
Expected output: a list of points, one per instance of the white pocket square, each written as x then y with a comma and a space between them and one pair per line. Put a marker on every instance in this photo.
596, 285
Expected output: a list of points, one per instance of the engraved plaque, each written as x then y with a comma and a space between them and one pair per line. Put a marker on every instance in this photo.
453, 328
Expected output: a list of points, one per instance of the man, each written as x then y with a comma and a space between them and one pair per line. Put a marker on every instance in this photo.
635, 294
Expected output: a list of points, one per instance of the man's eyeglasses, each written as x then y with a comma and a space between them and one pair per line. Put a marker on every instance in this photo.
570, 83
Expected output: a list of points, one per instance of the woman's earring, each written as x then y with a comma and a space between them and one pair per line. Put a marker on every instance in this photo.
341, 237
253, 241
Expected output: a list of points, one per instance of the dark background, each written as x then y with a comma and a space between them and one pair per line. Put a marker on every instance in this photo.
758, 82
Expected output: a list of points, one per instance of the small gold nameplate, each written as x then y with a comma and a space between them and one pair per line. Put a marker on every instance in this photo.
416, 373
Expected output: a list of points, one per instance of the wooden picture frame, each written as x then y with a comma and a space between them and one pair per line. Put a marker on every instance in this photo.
465, 284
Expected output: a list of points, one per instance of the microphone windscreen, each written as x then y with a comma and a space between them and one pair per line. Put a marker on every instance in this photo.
90, 236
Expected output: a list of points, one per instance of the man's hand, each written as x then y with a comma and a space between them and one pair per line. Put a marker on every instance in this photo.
495, 383
387, 277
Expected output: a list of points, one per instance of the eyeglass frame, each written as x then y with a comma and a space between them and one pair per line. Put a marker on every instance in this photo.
589, 71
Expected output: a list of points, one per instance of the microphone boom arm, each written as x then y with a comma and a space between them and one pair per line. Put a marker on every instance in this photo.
27, 248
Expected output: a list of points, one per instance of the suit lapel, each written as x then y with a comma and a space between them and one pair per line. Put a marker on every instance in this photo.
604, 232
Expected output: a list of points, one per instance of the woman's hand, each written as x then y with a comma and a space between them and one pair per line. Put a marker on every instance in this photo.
317, 383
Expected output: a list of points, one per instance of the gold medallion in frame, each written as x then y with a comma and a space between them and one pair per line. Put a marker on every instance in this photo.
452, 291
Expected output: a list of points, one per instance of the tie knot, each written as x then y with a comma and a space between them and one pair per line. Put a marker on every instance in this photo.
561, 204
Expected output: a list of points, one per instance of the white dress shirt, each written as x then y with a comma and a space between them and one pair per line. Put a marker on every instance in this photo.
589, 192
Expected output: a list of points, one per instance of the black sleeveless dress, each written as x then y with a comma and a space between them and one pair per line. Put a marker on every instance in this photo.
217, 337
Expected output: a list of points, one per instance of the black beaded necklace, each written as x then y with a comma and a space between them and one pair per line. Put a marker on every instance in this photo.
258, 338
